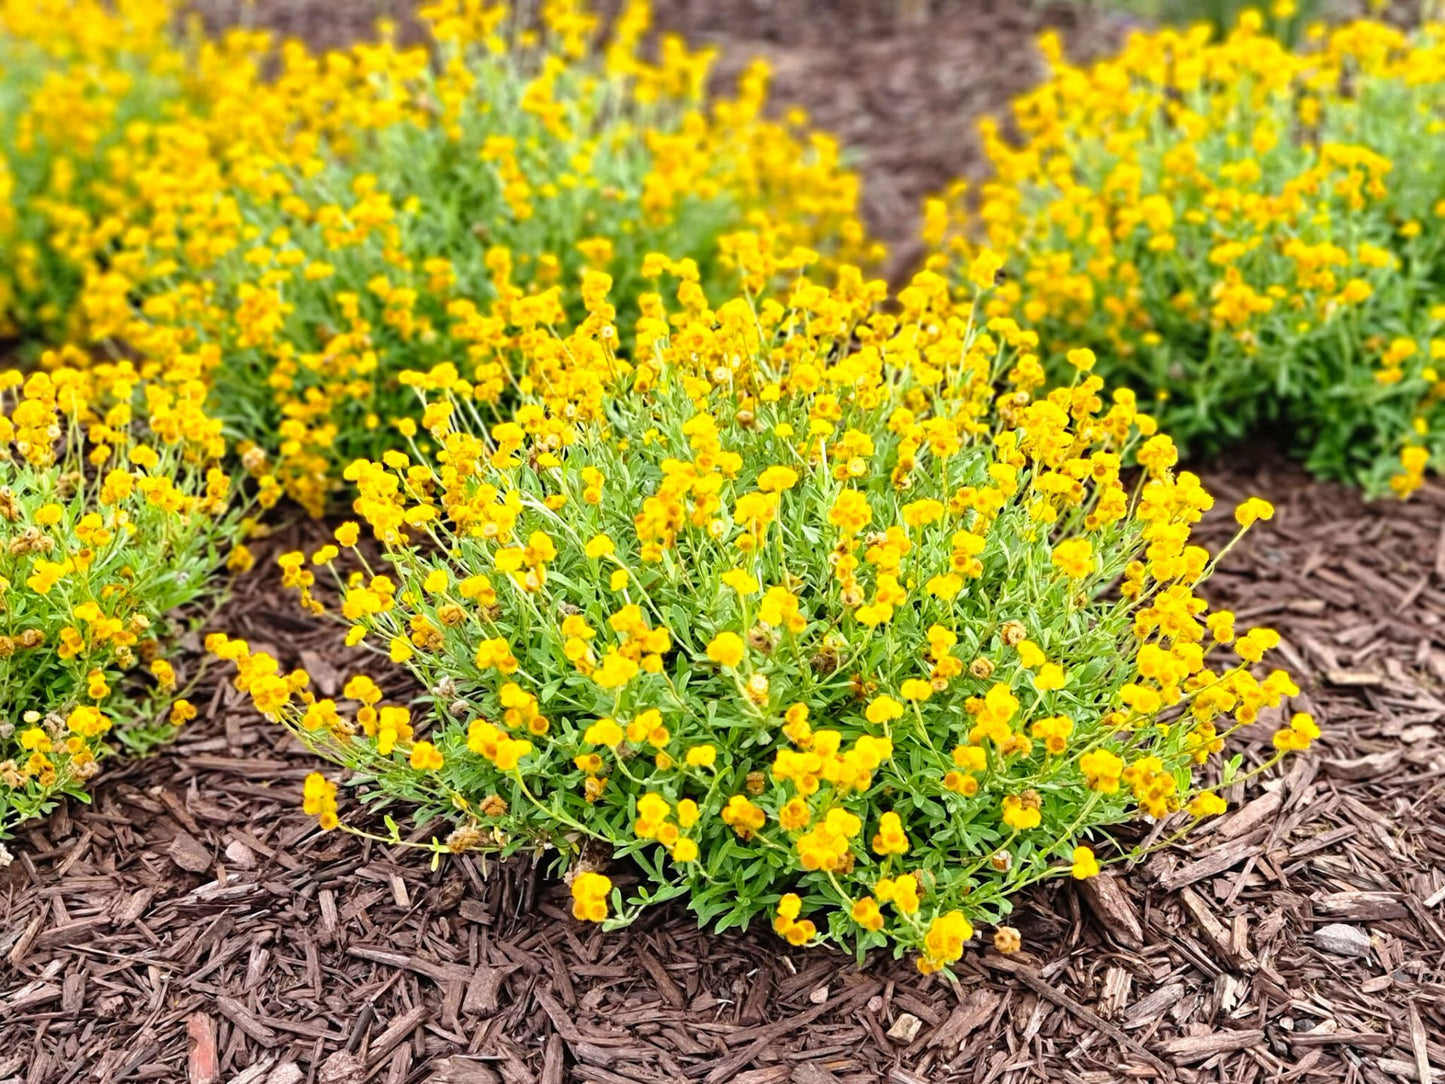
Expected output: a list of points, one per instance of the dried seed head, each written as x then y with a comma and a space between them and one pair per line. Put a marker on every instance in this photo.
466, 837
981, 668
1006, 939
1013, 632
254, 459
825, 662
493, 805
1001, 861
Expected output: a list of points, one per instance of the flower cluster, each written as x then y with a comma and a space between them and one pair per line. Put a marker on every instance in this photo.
78, 80
1240, 227
305, 227
107, 525
832, 612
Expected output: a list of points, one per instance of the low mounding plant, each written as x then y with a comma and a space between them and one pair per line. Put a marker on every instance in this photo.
112, 511
808, 607
83, 86
1243, 229
310, 226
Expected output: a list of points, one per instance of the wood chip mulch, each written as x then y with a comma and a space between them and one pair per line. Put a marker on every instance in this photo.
192, 925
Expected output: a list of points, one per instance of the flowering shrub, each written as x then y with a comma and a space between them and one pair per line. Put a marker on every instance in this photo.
308, 235
107, 524
82, 85
795, 609
1241, 228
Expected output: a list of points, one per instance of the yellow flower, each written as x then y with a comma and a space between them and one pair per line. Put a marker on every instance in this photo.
983, 271
777, 479
604, 732
727, 649
1020, 816
742, 581
1253, 510
589, 896
685, 850
865, 912
883, 709
425, 756
890, 837
1049, 678
701, 756
1085, 865
1253, 644
1074, 557
1207, 804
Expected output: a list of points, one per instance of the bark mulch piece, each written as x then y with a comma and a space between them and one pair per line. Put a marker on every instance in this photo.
192, 925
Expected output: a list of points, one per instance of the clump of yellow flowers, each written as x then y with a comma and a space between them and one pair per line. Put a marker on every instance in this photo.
1243, 228
305, 227
814, 607
113, 508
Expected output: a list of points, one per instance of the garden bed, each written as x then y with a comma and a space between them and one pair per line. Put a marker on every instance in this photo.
194, 898
195, 925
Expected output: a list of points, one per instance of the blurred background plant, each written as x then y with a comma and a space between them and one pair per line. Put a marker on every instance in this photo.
1285, 19
307, 225
1243, 230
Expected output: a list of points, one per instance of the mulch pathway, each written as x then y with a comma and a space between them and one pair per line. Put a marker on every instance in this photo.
193, 926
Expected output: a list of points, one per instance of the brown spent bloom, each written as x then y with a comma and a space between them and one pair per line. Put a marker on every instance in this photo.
493, 805
466, 837
1006, 939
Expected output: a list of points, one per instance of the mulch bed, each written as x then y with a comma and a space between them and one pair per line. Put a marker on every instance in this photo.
192, 925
